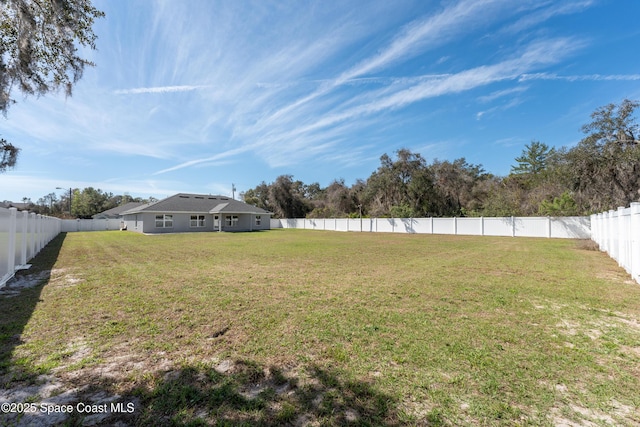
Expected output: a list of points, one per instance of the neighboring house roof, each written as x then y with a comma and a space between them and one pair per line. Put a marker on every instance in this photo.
117, 211
197, 203
20, 206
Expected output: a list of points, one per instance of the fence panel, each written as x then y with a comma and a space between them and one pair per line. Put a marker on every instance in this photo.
561, 227
498, 226
617, 232
469, 226
422, 226
385, 225
103, 224
571, 227
22, 236
531, 227
443, 226
6, 269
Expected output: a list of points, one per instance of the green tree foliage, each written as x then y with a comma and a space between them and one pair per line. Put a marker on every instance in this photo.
85, 203
258, 196
533, 160
604, 168
287, 198
38, 52
457, 185
89, 201
564, 205
405, 182
335, 201
504, 197
8, 155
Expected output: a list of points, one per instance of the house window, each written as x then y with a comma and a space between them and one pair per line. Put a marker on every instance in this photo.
197, 221
164, 221
216, 221
258, 220
231, 220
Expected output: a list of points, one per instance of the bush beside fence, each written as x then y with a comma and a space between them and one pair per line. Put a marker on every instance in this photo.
617, 232
22, 236
556, 227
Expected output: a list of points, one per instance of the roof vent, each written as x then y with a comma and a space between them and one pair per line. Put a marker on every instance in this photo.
183, 197
199, 197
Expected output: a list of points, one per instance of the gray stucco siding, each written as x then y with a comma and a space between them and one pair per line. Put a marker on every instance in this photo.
181, 222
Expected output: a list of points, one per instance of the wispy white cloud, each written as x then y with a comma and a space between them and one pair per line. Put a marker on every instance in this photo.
499, 108
414, 38
209, 159
584, 77
431, 31
537, 54
546, 12
502, 93
283, 86
314, 123
160, 89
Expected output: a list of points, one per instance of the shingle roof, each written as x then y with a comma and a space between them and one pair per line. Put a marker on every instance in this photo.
117, 211
198, 203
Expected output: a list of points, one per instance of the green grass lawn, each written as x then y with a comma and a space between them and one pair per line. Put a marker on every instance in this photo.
323, 328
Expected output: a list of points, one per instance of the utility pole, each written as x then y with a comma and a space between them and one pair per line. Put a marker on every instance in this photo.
60, 188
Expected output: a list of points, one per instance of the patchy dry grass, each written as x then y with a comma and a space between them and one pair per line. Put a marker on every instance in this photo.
318, 328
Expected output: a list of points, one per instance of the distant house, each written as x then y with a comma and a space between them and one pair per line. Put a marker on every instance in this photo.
20, 206
117, 211
196, 212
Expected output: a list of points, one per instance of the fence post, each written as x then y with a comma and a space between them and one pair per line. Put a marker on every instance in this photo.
513, 226
610, 230
40, 231
11, 249
482, 226
32, 235
25, 233
455, 225
621, 237
635, 241
548, 227
613, 247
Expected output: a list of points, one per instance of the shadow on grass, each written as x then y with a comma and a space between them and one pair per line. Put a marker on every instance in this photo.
18, 300
230, 393
243, 393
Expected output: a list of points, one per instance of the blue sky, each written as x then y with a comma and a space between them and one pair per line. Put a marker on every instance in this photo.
192, 96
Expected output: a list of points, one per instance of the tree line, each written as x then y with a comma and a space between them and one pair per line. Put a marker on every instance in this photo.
80, 203
601, 172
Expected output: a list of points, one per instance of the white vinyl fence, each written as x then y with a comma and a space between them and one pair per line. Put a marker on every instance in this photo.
576, 227
103, 224
617, 232
22, 236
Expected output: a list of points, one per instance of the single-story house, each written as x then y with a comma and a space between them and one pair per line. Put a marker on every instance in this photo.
19, 206
196, 212
117, 211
